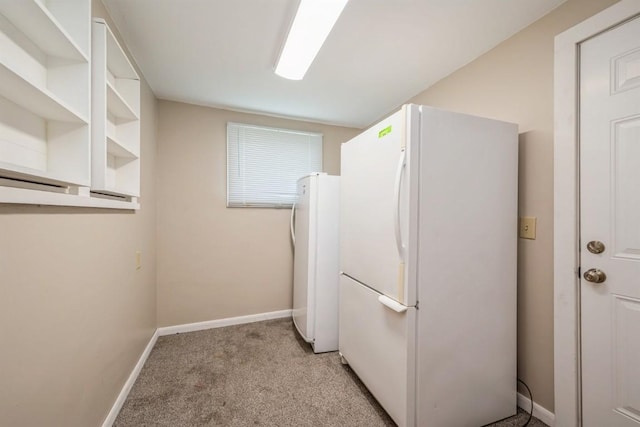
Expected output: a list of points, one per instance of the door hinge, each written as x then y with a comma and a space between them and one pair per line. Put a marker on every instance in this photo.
578, 271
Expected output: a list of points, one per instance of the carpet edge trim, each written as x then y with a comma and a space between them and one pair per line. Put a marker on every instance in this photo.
219, 323
126, 388
539, 411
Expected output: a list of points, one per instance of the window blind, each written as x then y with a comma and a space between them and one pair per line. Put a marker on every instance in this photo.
263, 164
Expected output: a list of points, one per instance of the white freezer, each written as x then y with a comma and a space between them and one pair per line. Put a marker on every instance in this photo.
316, 260
428, 241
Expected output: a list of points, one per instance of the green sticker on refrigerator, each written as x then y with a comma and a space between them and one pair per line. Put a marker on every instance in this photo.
384, 132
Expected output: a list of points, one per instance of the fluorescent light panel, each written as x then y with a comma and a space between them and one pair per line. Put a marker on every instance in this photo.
311, 26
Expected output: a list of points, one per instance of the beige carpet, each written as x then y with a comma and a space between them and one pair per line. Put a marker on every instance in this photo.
247, 375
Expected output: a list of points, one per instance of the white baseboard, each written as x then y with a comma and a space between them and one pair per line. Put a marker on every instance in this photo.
211, 324
115, 409
540, 412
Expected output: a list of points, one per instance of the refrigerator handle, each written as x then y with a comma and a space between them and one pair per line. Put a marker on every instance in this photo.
293, 233
396, 213
393, 305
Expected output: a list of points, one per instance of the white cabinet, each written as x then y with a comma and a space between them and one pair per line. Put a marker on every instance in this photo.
69, 108
45, 91
115, 112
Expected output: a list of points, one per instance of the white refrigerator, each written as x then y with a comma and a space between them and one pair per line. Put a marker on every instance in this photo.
428, 266
316, 271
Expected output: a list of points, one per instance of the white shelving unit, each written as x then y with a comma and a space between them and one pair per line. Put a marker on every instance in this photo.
48, 153
45, 91
115, 111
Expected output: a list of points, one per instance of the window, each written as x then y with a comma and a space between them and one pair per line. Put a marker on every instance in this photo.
263, 164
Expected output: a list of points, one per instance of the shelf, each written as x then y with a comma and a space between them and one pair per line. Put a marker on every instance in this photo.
38, 100
37, 23
118, 106
12, 170
118, 192
37, 197
118, 149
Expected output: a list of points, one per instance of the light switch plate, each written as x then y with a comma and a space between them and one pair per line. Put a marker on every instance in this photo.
528, 227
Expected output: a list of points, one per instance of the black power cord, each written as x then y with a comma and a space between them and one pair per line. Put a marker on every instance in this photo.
530, 398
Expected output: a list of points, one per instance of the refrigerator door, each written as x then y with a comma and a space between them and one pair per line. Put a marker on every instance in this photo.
376, 175
378, 342
304, 258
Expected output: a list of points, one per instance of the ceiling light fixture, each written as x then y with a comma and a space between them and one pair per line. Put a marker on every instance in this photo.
311, 26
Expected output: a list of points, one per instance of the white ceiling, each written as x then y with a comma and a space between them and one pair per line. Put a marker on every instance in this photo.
222, 53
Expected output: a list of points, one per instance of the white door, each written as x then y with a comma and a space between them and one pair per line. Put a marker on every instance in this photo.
610, 227
374, 171
304, 259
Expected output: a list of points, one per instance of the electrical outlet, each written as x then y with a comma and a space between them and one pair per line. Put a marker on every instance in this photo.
528, 227
138, 260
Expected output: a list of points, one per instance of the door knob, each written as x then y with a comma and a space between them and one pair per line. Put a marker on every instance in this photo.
594, 275
595, 247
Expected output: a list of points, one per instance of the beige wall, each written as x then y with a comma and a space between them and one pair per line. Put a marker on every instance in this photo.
514, 82
216, 262
75, 314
